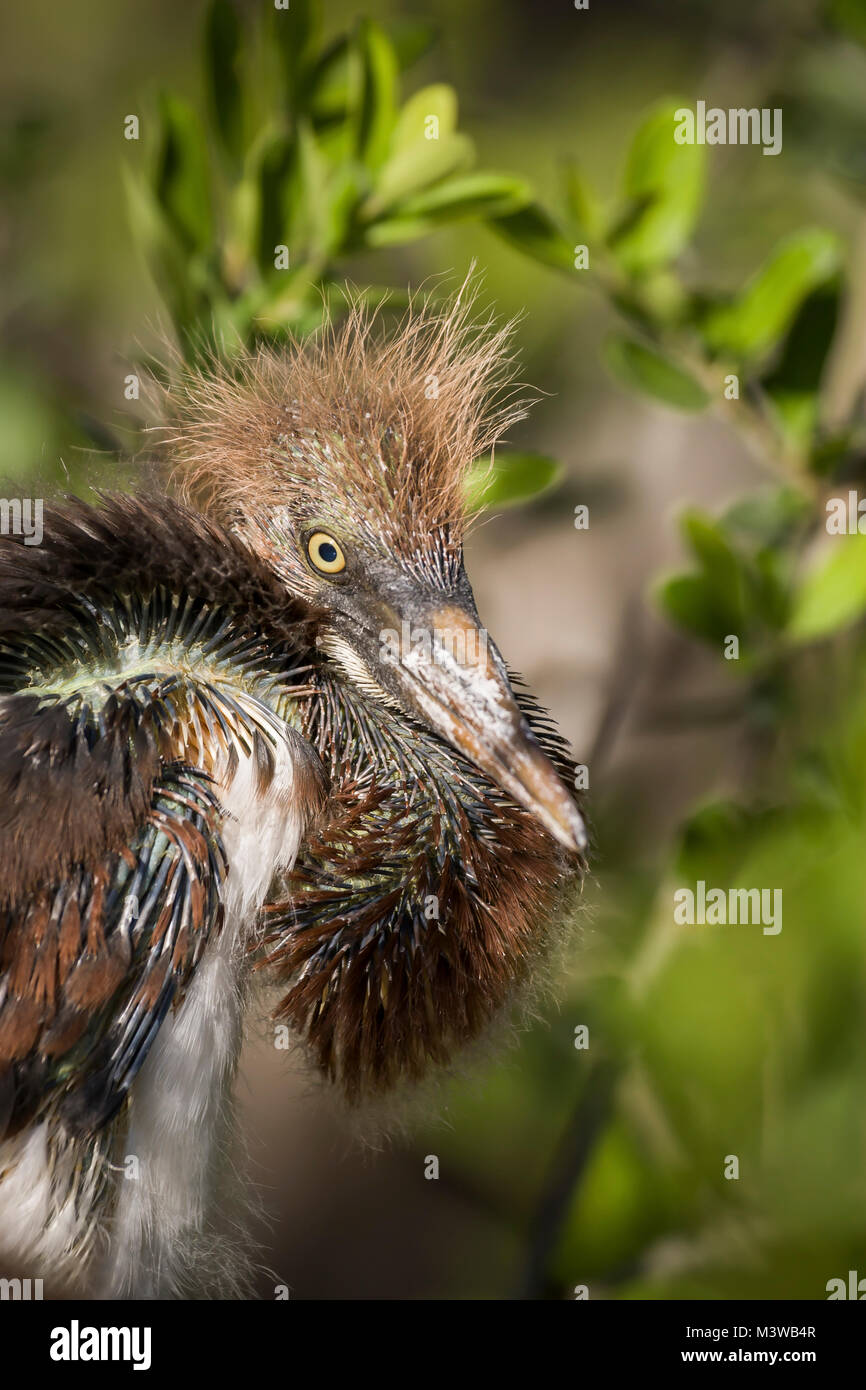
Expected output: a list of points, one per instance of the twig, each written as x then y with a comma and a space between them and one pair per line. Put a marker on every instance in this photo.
585, 1124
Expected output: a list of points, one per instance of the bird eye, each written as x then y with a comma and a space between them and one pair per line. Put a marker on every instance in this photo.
325, 554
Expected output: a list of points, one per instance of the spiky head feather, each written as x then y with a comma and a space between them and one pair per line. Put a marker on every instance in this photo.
361, 429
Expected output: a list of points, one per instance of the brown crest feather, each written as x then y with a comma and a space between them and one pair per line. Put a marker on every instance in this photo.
356, 422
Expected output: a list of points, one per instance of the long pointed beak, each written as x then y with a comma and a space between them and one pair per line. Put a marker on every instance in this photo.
454, 678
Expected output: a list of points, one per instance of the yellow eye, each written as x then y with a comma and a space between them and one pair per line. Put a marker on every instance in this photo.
325, 553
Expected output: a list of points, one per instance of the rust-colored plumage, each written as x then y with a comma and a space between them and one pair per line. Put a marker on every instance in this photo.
456, 891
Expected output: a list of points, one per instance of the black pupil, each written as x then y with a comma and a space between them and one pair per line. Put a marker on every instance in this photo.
327, 552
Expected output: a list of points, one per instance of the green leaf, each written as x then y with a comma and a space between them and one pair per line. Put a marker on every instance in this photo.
736, 591
690, 603
374, 99
582, 201
769, 579
161, 247
276, 180
329, 83
396, 231
182, 181
511, 478
532, 231
222, 36
756, 319
645, 370
472, 195
416, 167
768, 518
294, 30
833, 595
720, 563
663, 184
266, 206
345, 188
311, 190
724, 573
425, 118
794, 384
424, 148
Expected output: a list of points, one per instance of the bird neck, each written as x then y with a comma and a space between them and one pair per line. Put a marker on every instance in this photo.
424, 898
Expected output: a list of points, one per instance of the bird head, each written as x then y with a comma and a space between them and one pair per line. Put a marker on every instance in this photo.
342, 463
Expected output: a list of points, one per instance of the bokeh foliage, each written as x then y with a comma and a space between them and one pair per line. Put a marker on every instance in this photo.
306, 150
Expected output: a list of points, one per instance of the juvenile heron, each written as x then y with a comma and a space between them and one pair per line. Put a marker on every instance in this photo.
257, 723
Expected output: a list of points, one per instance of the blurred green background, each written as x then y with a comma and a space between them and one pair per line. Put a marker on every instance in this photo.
559, 1167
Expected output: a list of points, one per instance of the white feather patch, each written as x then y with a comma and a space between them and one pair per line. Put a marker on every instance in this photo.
158, 1241
181, 1103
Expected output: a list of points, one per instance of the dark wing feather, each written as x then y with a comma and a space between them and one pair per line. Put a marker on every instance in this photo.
137, 645
90, 966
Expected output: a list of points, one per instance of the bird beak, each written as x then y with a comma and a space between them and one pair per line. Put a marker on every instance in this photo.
453, 677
